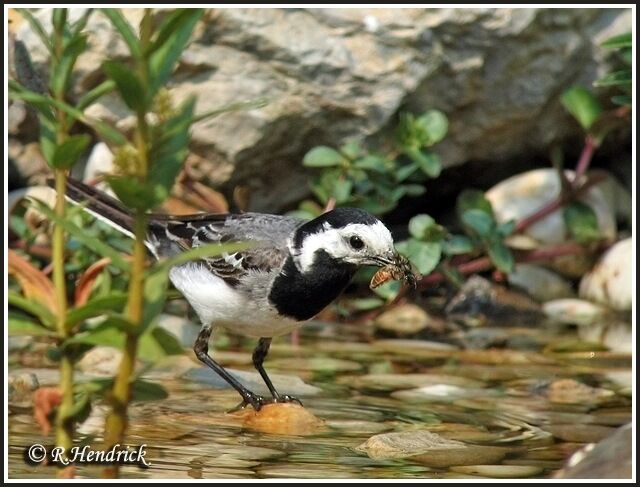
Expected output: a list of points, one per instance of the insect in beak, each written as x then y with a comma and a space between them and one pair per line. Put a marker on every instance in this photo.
398, 269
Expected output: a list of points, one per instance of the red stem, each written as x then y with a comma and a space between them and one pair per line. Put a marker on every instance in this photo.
557, 203
484, 263
585, 159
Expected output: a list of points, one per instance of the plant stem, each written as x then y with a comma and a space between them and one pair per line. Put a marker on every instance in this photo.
585, 158
557, 203
116, 423
64, 424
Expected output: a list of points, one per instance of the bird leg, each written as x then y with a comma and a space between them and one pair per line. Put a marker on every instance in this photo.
201, 349
259, 354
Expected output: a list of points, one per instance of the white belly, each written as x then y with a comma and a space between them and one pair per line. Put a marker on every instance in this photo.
218, 304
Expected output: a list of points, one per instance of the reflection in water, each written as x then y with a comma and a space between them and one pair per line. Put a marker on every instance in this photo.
517, 413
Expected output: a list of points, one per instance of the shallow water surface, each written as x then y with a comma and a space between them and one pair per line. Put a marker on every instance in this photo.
518, 413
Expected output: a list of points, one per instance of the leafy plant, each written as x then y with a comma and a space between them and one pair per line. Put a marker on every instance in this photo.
119, 312
622, 78
61, 150
353, 176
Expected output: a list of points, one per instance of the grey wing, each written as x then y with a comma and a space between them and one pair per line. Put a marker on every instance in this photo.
269, 235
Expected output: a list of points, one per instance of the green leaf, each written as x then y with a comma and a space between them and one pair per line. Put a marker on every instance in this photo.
36, 27
143, 390
94, 94
209, 250
169, 150
507, 228
125, 29
457, 245
435, 126
616, 42
40, 101
171, 42
414, 189
365, 304
323, 156
406, 171
94, 243
351, 150
46, 317
420, 225
342, 190
68, 153
479, 222
424, 255
471, 199
48, 136
582, 222
155, 295
371, 163
232, 107
158, 343
59, 19
617, 78
428, 162
136, 194
583, 105
129, 85
61, 73
624, 100
107, 334
501, 256
81, 23
96, 307
21, 325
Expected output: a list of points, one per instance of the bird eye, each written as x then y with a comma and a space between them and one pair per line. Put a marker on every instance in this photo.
356, 242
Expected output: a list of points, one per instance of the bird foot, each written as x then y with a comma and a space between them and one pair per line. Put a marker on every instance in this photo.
251, 399
286, 398
256, 401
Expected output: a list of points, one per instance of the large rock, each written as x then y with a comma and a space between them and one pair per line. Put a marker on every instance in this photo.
336, 74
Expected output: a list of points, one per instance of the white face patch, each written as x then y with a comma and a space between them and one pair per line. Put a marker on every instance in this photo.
376, 238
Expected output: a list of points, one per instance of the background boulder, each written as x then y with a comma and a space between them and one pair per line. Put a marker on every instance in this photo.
330, 75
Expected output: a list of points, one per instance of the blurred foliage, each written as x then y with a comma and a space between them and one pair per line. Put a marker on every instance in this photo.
354, 176
115, 299
621, 79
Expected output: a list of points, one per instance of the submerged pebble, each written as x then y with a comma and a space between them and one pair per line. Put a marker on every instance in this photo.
499, 471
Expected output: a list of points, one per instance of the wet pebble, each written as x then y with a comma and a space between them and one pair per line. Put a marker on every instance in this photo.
579, 433
442, 392
281, 419
392, 382
499, 471
101, 360
357, 427
540, 283
20, 388
406, 319
309, 471
415, 348
405, 444
569, 391
469, 455
286, 384
315, 364
610, 282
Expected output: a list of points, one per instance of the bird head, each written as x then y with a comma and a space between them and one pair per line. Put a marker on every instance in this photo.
349, 236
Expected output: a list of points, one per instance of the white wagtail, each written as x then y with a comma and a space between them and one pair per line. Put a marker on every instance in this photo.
293, 270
